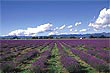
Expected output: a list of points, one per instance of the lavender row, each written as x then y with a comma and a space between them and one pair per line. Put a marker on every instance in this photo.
41, 64
8, 54
99, 64
89, 43
7, 67
68, 62
23, 43
28, 55
102, 55
98, 52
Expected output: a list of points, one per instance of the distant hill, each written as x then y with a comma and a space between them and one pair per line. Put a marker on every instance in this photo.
59, 36
82, 35
11, 37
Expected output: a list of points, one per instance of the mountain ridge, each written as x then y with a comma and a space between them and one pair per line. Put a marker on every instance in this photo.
62, 35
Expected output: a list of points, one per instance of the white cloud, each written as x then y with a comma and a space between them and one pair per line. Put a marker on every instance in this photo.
71, 29
77, 23
75, 30
56, 28
68, 33
95, 30
103, 20
32, 31
74, 33
53, 33
17, 32
62, 27
83, 30
70, 26
63, 33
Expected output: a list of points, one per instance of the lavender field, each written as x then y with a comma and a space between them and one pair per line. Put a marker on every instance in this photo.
55, 56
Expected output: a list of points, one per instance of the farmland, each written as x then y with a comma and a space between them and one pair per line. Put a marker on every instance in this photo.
55, 56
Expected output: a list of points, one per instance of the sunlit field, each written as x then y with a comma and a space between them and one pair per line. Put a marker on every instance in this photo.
55, 56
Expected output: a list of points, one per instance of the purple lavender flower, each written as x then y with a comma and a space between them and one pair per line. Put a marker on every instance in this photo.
7, 66
70, 64
26, 56
97, 63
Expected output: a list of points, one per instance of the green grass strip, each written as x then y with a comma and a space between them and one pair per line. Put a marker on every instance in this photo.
55, 64
85, 66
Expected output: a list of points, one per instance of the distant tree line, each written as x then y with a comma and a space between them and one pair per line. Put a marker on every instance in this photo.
102, 36
42, 37
61, 37
50, 37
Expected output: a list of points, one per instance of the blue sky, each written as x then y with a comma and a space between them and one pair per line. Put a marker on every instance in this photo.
22, 15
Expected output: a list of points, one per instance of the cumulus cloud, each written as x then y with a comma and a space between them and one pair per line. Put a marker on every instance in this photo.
68, 33
70, 26
56, 28
77, 23
63, 33
83, 30
74, 33
75, 30
71, 29
18, 32
53, 33
103, 20
33, 31
62, 27
95, 29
